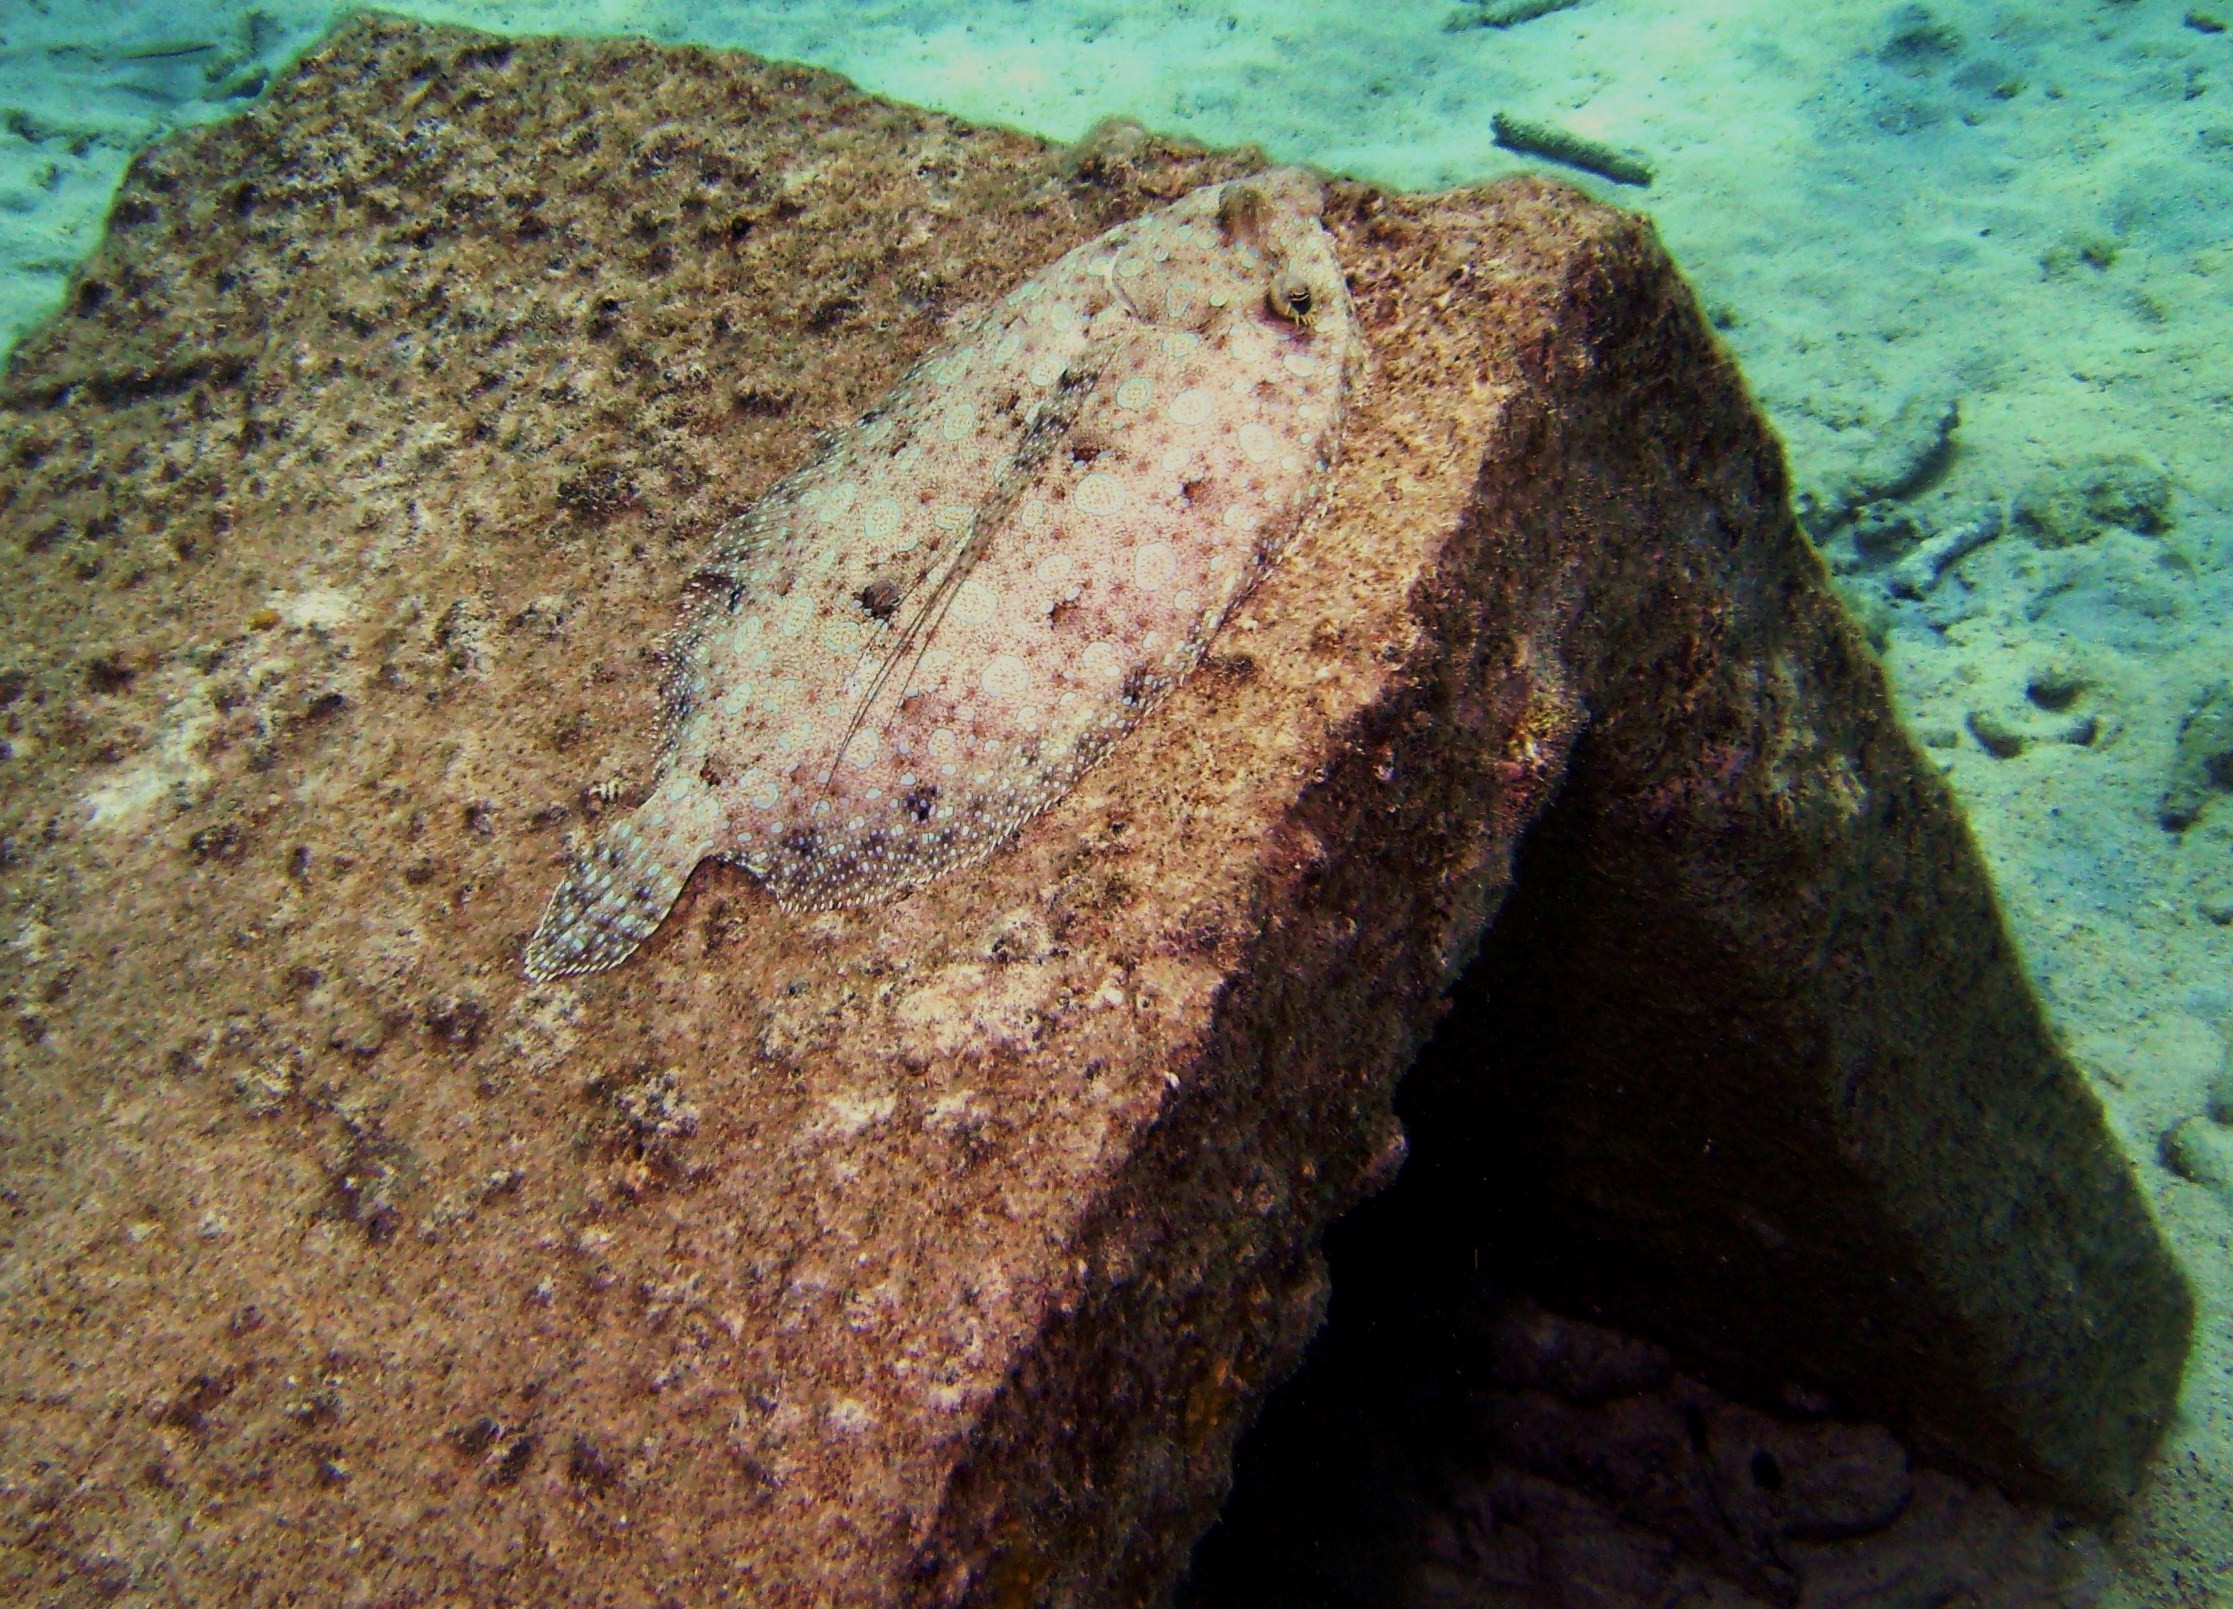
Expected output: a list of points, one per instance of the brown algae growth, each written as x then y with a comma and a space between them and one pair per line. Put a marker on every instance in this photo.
1555, 144
924, 638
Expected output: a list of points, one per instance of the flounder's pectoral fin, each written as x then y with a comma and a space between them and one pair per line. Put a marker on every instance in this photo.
612, 898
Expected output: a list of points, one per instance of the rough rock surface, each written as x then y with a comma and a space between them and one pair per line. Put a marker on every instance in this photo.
936, 1252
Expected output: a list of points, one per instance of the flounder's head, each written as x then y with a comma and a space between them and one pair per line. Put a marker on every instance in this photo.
1277, 215
1242, 249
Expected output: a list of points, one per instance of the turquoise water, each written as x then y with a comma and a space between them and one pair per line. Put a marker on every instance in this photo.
1976, 259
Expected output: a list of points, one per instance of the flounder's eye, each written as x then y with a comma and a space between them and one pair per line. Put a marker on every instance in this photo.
1290, 297
1244, 215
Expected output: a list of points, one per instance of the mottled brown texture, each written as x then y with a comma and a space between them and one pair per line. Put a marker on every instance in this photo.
930, 1253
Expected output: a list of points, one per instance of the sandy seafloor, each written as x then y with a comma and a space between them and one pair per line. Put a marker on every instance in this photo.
2026, 211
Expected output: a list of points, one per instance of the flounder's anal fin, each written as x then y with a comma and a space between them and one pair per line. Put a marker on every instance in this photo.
612, 898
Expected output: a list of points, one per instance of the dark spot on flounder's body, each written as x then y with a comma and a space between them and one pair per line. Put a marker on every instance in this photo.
880, 599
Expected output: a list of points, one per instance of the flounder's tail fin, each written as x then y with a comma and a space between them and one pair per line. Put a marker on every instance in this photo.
612, 898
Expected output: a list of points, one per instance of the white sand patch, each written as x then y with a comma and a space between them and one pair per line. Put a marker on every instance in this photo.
315, 608
169, 771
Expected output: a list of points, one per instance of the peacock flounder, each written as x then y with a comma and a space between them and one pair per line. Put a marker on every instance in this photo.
922, 639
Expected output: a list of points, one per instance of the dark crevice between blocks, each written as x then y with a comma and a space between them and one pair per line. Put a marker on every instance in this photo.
1449, 1441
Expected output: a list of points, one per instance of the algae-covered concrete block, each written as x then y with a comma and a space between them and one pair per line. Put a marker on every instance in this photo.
938, 1250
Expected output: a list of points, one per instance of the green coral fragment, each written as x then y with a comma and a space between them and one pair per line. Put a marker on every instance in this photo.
166, 50
1555, 144
1504, 13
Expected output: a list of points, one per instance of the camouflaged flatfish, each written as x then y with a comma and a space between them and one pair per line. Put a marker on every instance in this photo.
921, 640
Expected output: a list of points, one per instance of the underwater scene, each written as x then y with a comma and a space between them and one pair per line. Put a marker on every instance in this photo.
1013, 802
